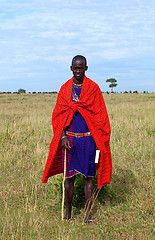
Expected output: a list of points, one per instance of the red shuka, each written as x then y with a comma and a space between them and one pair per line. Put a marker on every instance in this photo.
92, 107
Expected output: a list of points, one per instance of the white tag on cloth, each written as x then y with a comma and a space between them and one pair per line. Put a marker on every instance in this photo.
97, 156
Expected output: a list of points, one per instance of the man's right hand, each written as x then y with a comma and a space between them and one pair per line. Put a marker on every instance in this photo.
66, 143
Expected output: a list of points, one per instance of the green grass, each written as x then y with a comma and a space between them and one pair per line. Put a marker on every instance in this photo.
31, 210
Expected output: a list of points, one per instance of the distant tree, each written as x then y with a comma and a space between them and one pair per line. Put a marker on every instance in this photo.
112, 83
21, 90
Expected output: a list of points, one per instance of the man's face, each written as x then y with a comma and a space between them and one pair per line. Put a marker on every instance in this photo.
78, 68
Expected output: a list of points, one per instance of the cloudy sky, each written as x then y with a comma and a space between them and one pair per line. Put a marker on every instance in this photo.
39, 38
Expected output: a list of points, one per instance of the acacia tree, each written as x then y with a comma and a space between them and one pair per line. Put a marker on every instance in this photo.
21, 90
112, 83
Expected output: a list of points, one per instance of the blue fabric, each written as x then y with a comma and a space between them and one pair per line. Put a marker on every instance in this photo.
83, 148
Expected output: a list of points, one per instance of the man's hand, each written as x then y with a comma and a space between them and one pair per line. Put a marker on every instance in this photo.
66, 143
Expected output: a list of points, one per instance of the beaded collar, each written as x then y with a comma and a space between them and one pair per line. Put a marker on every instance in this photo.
78, 85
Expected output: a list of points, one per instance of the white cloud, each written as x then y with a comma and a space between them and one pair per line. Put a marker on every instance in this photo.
35, 32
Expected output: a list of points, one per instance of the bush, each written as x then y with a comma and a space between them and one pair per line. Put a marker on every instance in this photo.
78, 196
21, 90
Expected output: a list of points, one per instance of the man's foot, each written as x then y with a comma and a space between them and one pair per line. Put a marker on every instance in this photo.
67, 218
88, 220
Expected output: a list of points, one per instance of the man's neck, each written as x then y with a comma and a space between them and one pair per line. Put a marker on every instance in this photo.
76, 81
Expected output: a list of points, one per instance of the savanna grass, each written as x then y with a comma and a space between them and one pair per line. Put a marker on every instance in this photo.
31, 210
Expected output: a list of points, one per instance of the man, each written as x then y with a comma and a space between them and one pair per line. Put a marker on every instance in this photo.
80, 124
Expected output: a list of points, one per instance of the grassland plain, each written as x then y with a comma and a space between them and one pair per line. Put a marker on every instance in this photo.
32, 210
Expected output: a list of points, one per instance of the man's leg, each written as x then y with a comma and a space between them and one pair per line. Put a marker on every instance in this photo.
88, 194
69, 190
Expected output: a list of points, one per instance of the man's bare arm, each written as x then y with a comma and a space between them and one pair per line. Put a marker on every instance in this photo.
65, 142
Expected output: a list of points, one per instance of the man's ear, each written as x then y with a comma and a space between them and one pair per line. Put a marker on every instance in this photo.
86, 68
71, 68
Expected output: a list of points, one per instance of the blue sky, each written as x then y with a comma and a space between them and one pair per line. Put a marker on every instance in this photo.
39, 38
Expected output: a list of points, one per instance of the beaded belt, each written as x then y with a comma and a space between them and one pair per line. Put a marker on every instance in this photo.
78, 135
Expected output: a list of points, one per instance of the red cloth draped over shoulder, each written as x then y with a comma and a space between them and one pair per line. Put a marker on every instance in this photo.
92, 107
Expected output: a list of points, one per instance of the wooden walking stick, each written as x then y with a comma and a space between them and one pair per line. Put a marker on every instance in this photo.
63, 187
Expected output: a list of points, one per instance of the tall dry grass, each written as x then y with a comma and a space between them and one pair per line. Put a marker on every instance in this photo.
32, 210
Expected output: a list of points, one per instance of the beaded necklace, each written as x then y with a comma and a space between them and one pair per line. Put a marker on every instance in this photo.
75, 96
78, 85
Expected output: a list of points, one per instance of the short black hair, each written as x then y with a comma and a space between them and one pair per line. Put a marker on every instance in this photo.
79, 56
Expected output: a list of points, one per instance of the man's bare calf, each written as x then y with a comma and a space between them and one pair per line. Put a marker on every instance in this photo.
69, 190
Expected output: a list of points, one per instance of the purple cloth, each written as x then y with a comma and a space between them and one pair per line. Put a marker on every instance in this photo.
81, 158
